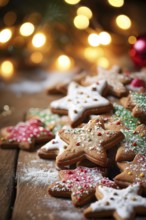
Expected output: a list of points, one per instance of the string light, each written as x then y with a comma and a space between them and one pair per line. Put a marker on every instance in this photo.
93, 40
10, 18
131, 39
103, 62
81, 22
104, 38
83, 10
7, 69
72, 2
39, 40
123, 22
26, 29
5, 35
36, 57
63, 62
116, 3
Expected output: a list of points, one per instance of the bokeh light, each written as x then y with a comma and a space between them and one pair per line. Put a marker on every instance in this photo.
131, 39
104, 38
116, 3
123, 22
5, 35
81, 22
6, 69
36, 57
39, 40
26, 29
72, 2
92, 54
83, 10
103, 62
93, 40
63, 62
10, 18
3, 3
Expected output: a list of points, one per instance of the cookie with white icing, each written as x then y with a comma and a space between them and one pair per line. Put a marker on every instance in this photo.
24, 135
90, 141
79, 184
122, 204
81, 102
133, 172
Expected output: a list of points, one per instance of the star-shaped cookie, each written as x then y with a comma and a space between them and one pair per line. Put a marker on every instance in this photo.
79, 184
133, 172
53, 121
82, 102
53, 148
24, 135
136, 102
114, 78
90, 141
122, 204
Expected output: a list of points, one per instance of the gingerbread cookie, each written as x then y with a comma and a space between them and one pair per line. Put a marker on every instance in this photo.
82, 102
114, 78
24, 135
90, 141
136, 102
53, 121
132, 172
53, 148
134, 143
121, 204
79, 184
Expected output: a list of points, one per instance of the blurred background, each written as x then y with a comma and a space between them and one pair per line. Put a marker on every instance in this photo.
69, 35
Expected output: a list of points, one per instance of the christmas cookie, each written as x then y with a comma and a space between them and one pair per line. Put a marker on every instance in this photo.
82, 102
134, 143
90, 141
136, 102
132, 172
52, 121
53, 148
137, 85
79, 184
24, 135
114, 78
122, 204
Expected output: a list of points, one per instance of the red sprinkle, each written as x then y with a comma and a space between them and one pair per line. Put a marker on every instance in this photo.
78, 144
99, 134
134, 144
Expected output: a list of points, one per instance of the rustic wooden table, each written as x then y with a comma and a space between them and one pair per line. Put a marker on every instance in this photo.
24, 178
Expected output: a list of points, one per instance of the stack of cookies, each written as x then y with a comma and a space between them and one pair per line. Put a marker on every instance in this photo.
97, 141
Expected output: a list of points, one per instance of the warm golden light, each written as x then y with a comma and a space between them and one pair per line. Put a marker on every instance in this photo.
10, 18
63, 63
116, 3
123, 22
105, 38
6, 69
26, 29
131, 39
3, 3
81, 22
38, 40
103, 62
36, 57
83, 10
72, 2
93, 40
5, 35
92, 54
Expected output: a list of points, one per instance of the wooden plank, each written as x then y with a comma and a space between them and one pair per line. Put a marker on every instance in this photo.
32, 200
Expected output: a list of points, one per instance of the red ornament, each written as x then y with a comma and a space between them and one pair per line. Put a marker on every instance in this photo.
138, 51
137, 83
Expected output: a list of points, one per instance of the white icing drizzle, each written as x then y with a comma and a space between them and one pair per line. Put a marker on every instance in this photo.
81, 98
123, 201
